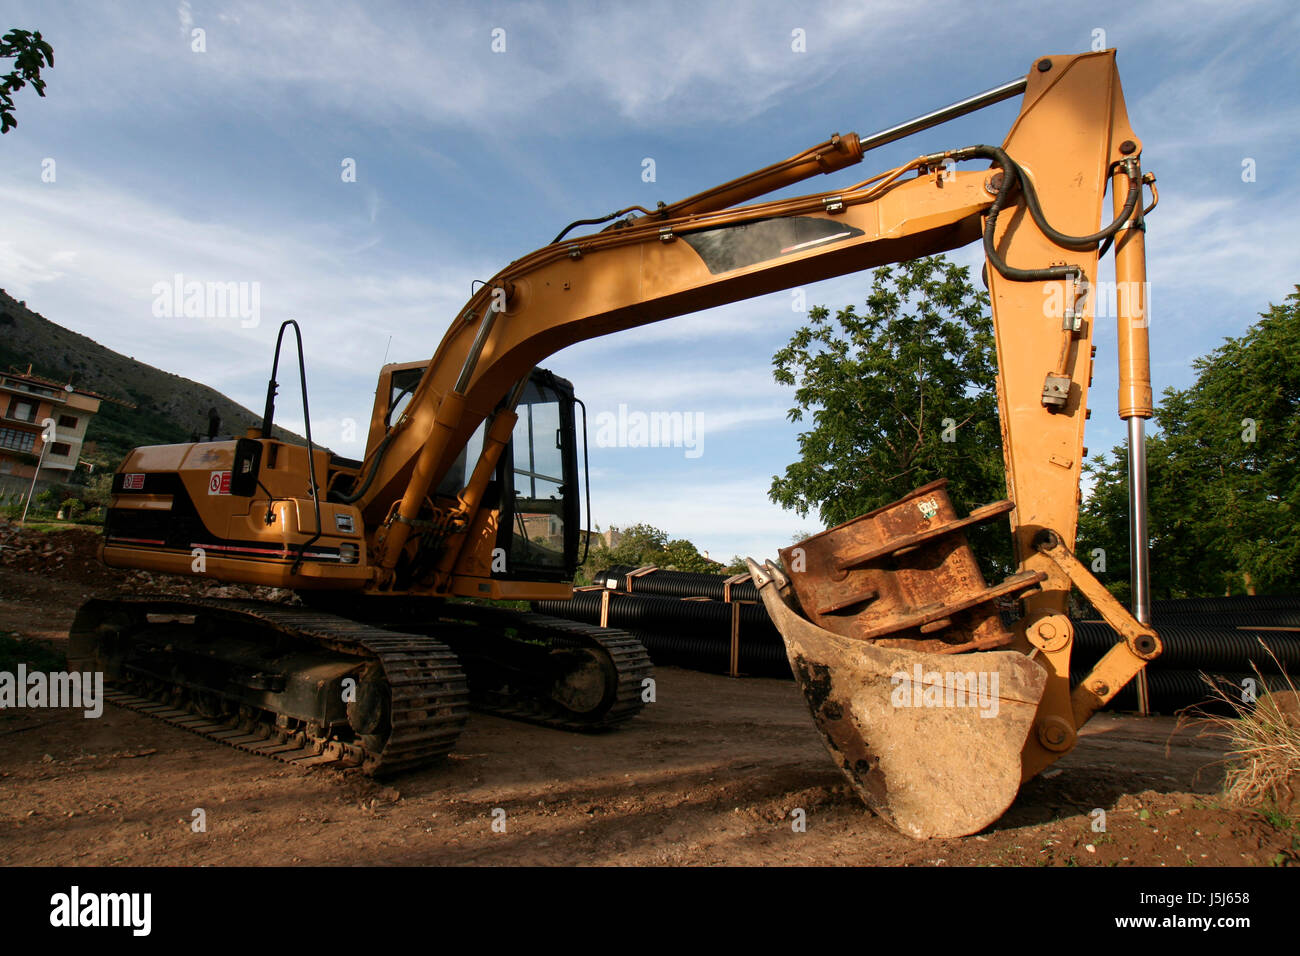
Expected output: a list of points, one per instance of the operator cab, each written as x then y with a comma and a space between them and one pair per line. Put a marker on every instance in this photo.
536, 486
538, 475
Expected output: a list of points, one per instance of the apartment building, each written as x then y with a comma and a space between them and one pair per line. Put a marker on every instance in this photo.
27, 402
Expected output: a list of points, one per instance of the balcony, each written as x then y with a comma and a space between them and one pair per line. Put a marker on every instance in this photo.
43, 392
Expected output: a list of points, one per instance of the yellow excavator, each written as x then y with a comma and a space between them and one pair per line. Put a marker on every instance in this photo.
935, 709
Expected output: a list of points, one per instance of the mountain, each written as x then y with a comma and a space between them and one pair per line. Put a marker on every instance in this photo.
159, 407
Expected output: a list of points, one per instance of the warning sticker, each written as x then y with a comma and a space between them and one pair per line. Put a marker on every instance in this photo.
219, 483
132, 482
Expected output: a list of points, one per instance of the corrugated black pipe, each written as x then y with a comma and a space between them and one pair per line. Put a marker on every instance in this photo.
652, 612
1196, 647
1227, 605
714, 654
1174, 690
677, 584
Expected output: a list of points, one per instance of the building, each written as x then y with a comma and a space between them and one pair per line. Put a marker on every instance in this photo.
27, 403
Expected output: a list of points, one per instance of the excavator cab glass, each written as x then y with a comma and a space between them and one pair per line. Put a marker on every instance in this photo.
538, 476
402, 386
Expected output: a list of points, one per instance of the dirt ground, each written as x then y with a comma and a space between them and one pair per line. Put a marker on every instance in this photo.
708, 774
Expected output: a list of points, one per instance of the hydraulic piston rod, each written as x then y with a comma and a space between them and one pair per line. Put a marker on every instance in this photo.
1135, 400
944, 114
834, 154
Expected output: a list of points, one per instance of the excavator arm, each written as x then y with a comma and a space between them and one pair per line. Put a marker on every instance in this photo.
1037, 207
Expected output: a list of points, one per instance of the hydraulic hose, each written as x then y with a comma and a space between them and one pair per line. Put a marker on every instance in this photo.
370, 475
596, 222
1011, 177
1081, 243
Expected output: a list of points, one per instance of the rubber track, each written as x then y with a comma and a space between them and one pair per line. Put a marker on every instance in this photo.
429, 702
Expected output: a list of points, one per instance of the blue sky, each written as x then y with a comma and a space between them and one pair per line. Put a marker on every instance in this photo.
225, 166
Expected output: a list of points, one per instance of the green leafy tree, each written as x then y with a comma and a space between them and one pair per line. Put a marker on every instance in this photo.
682, 555
643, 544
1223, 473
898, 396
635, 544
30, 54
99, 488
46, 500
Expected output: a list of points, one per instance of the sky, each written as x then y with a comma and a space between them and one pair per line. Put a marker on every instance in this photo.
223, 156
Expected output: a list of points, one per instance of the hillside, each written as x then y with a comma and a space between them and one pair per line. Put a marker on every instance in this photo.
168, 408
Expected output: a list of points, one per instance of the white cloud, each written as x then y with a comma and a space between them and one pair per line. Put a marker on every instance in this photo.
91, 254
649, 63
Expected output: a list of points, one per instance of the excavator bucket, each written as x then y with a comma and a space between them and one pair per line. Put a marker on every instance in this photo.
895, 641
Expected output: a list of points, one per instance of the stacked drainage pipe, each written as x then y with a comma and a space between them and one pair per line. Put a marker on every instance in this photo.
678, 630
1215, 637
1218, 637
676, 583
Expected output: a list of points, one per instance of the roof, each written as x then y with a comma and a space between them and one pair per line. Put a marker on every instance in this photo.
27, 376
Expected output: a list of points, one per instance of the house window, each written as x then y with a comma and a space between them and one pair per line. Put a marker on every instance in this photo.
68, 421
22, 411
61, 449
17, 440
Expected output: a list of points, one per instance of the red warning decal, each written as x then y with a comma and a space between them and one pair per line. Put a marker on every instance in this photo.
219, 483
132, 482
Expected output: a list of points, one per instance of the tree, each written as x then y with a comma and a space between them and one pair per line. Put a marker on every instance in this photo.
30, 53
1223, 473
898, 396
100, 488
643, 544
634, 543
682, 555
737, 566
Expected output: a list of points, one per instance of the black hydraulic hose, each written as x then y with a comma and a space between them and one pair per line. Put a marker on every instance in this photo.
370, 476
1011, 177
596, 222
1081, 243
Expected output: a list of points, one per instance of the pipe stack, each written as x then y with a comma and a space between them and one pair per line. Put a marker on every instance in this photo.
685, 619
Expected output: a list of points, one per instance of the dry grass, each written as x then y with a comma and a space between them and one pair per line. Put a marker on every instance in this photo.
1263, 739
